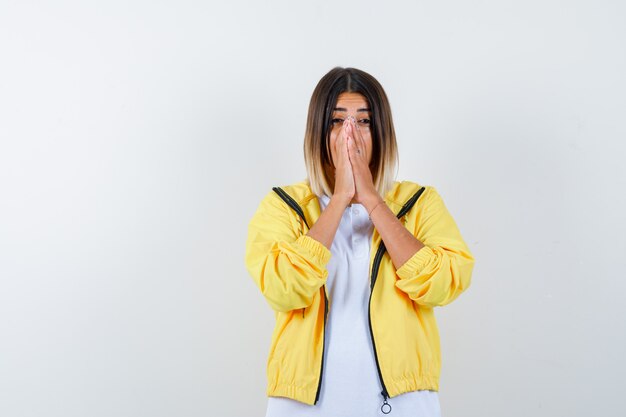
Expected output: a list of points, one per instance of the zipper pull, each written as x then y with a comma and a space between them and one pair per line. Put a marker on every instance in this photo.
385, 403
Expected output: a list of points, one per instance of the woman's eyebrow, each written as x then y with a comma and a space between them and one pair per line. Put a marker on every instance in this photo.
364, 109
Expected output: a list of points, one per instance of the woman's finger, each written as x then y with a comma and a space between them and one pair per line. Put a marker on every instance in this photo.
352, 150
341, 143
359, 134
349, 140
361, 140
357, 143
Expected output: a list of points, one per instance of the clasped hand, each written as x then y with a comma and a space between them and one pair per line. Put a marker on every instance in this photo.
364, 189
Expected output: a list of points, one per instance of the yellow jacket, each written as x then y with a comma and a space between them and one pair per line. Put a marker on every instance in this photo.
289, 268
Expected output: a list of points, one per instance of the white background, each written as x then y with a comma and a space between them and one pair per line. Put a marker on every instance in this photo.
138, 137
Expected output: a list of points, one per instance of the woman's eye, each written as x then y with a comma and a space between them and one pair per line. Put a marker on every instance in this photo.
362, 122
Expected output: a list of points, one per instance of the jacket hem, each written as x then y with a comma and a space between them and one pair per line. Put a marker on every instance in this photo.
399, 386
395, 387
294, 392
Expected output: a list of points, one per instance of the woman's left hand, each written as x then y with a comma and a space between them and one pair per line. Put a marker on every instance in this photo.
365, 191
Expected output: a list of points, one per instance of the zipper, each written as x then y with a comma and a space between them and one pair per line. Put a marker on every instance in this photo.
319, 384
385, 407
375, 266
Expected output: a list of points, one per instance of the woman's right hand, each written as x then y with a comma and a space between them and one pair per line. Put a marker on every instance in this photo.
344, 177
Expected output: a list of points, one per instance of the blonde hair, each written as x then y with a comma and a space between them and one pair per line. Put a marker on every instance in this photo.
317, 156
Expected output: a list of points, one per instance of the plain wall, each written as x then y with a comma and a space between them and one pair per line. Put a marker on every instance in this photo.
137, 139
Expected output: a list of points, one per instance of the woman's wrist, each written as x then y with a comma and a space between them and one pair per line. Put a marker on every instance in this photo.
342, 200
371, 201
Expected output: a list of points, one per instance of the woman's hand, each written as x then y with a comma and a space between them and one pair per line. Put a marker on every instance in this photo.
344, 177
365, 191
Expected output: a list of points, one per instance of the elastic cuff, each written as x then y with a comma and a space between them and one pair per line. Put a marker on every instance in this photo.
317, 248
415, 263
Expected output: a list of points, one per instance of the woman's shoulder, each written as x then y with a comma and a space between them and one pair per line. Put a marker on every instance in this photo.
405, 189
276, 195
299, 191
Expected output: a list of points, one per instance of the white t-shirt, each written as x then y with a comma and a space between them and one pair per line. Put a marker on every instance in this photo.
350, 382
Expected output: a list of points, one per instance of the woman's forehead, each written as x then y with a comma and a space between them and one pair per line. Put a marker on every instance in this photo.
351, 101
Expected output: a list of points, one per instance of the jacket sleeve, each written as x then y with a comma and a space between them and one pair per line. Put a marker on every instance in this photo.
288, 267
440, 271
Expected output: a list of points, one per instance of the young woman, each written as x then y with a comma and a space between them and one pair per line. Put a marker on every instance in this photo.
353, 263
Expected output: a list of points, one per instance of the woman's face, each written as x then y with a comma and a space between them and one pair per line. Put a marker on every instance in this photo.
351, 104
